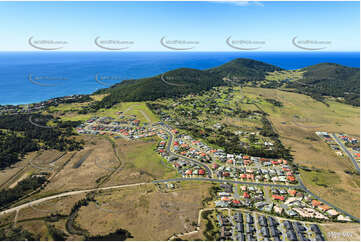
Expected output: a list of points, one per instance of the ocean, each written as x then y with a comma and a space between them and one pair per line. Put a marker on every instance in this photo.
29, 77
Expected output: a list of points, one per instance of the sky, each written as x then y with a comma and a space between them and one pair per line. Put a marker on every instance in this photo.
190, 26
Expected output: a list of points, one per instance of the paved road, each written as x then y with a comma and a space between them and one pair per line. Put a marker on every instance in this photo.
65, 194
228, 181
169, 144
325, 202
346, 151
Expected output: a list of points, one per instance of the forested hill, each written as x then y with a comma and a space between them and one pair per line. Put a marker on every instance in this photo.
170, 84
244, 70
320, 80
329, 79
184, 81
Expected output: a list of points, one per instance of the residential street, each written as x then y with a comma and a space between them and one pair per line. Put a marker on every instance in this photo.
346, 151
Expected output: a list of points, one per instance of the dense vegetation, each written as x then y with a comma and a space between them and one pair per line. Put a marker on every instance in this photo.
177, 83
242, 69
319, 81
22, 136
118, 235
181, 82
274, 102
56, 234
25, 186
16, 234
328, 79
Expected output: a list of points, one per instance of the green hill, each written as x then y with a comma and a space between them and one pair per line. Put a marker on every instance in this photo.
183, 81
244, 70
170, 84
329, 79
320, 80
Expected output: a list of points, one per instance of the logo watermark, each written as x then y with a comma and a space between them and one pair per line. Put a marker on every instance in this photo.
102, 79
41, 80
178, 44
311, 44
46, 44
40, 122
166, 80
113, 44
245, 44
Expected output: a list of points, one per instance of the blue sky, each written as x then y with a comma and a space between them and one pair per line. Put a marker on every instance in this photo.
272, 24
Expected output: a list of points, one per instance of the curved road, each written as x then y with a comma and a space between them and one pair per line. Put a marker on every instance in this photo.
210, 179
346, 151
170, 142
325, 202
228, 181
65, 194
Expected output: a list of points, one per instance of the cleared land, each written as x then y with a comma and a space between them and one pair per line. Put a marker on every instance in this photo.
343, 232
148, 214
296, 122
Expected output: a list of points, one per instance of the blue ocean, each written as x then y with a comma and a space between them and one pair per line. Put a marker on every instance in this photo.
28, 77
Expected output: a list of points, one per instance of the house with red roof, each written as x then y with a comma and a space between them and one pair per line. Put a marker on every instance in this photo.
291, 178
201, 172
315, 203
246, 195
292, 192
278, 197
226, 174
250, 176
243, 176
236, 203
323, 207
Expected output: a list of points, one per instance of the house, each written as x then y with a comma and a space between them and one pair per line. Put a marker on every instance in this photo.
323, 207
288, 225
239, 228
315, 203
246, 195
272, 222
249, 218
278, 209
292, 192
278, 197
221, 204
343, 218
274, 232
262, 221
260, 205
265, 232
332, 212
236, 203
291, 178
201, 172
291, 235
290, 212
